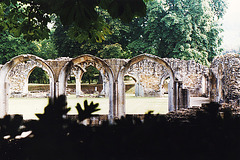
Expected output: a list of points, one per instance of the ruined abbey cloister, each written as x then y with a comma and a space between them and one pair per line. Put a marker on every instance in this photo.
186, 78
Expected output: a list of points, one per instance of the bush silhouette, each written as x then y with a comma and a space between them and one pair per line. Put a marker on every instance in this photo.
208, 135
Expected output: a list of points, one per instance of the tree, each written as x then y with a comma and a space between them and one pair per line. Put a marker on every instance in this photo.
30, 17
185, 29
11, 47
112, 51
39, 76
46, 49
67, 47
90, 75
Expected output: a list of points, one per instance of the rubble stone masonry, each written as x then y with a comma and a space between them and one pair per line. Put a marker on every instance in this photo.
225, 79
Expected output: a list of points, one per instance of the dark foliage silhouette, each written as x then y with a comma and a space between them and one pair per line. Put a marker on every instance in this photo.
214, 133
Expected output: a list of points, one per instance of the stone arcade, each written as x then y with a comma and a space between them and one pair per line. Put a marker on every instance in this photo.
186, 78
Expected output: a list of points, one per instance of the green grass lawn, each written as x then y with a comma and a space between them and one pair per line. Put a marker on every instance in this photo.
134, 105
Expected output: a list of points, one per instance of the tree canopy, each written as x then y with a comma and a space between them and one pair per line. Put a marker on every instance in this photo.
11, 46
31, 17
186, 29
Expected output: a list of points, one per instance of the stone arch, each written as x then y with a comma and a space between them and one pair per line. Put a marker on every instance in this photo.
123, 70
137, 84
100, 64
103, 75
133, 77
28, 73
162, 79
4, 86
78, 72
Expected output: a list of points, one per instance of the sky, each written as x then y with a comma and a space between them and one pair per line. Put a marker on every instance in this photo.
231, 26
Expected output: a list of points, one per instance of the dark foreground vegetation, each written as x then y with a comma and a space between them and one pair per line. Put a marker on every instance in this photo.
210, 133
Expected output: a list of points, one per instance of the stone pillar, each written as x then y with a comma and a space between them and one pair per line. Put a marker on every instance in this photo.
185, 98
7, 92
203, 85
180, 95
171, 95
3, 91
136, 89
118, 86
78, 78
120, 97
105, 83
176, 95
139, 91
105, 90
219, 89
112, 99
4, 95
78, 87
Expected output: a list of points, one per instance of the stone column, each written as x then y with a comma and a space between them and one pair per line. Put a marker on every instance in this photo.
136, 89
78, 78
171, 96
3, 91
112, 98
120, 97
203, 85
180, 95
185, 98
176, 95
105, 84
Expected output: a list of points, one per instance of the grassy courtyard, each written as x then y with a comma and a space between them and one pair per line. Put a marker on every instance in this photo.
134, 105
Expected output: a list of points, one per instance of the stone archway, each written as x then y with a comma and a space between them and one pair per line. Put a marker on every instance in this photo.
137, 85
80, 69
4, 86
78, 72
100, 64
123, 70
162, 79
29, 69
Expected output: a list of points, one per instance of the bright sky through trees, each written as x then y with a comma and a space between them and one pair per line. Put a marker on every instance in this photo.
231, 26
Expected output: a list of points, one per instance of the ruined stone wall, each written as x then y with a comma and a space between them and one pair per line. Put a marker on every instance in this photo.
151, 75
148, 74
193, 76
225, 79
18, 77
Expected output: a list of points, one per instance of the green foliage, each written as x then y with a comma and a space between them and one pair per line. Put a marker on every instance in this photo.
90, 75
70, 48
185, 29
11, 47
24, 18
30, 18
218, 7
66, 47
46, 49
38, 75
112, 51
